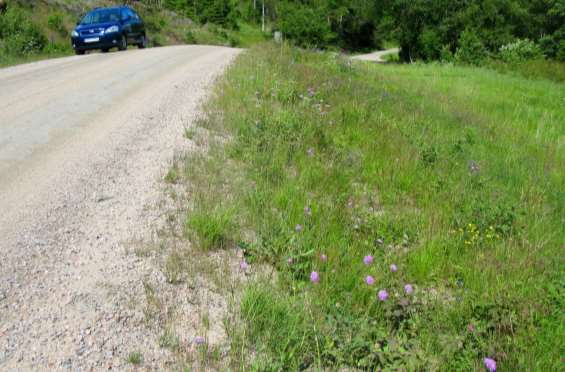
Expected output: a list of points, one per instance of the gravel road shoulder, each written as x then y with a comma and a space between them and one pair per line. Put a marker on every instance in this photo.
70, 285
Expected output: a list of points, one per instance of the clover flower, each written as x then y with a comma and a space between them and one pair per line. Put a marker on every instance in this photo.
367, 260
393, 268
490, 364
244, 265
383, 295
314, 277
369, 280
408, 289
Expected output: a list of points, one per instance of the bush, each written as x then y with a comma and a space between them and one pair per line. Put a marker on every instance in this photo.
519, 51
471, 50
56, 23
20, 36
306, 26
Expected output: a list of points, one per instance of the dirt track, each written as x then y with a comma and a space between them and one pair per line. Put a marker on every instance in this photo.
84, 144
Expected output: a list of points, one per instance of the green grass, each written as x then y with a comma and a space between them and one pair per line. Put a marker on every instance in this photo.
533, 69
135, 358
453, 174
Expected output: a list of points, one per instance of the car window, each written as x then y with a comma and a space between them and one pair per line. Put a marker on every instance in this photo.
101, 16
132, 14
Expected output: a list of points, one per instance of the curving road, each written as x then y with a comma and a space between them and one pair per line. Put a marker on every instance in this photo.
84, 144
375, 56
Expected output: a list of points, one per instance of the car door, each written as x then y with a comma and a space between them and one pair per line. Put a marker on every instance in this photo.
126, 24
135, 24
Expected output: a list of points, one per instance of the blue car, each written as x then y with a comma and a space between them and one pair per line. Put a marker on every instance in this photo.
107, 28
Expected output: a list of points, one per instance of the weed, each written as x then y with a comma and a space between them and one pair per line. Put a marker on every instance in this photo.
135, 358
169, 340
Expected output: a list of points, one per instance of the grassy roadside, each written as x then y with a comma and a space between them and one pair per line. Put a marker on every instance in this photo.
448, 178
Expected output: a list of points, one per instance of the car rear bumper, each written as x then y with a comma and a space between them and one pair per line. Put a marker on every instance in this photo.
104, 42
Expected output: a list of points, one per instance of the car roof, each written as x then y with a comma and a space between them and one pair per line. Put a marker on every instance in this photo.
111, 8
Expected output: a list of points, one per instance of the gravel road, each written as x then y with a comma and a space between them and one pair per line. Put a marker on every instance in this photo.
375, 56
84, 144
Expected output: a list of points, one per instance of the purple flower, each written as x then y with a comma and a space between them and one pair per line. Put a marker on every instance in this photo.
490, 364
314, 277
199, 340
243, 265
408, 289
367, 260
307, 211
383, 295
290, 261
393, 268
298, 227
310, 152
323, 257
369, 280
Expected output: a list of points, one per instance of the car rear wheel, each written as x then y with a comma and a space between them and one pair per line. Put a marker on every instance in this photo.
143, 43
123, 45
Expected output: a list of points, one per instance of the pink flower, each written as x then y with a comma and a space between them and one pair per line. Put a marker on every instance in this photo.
307, 211
323, 257
383, 295
393, 268
369, 280
314, 277
199, 340
290, 261
243, 265
367, 260
490, 364
408, 289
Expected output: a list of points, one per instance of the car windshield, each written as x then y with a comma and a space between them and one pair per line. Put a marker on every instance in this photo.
101, 16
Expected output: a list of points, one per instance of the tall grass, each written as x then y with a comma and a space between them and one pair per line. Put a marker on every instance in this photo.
453, 175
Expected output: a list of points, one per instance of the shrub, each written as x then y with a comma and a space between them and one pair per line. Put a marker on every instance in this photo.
519, 51
471, 50
306, 26
20, 36
56, 23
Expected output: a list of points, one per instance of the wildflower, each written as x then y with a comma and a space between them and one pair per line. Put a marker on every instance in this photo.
367, 260
298, 227
307, 211
393, 268
490, 364
383, 295
310, 152
243, 265
199, 340
314, 277
408, 289
470, 327
323, 257
290, 261
369, 280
